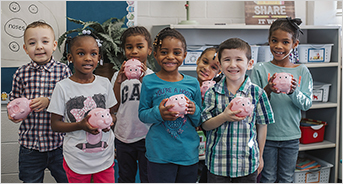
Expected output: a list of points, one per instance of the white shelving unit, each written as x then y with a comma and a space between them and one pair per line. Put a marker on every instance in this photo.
322, 72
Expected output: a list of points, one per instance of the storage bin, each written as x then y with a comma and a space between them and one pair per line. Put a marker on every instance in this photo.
314, 52
202, 145
254, 53
264, 54
312, 130
317, 175
193, 53
320, 92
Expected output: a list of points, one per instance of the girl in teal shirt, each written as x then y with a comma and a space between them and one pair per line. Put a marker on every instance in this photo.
172, 142
282, 144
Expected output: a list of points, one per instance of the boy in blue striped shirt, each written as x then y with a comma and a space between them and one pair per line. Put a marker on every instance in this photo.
235, 144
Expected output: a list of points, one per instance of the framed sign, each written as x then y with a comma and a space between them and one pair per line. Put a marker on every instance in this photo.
266, 12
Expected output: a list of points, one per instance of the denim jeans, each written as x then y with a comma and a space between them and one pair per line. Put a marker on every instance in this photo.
32, 164
279, 158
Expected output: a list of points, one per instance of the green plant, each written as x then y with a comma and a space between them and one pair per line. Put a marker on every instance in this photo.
109, 33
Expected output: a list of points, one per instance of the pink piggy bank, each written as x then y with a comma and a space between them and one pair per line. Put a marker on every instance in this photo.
133, 69
243, 104
101, 119
179, 101
205, 86
283, 82
19, 108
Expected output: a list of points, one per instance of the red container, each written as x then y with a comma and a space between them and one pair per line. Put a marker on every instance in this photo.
313, 133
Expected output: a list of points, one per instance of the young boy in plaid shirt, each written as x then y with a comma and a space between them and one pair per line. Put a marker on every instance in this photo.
40, 147
234, 145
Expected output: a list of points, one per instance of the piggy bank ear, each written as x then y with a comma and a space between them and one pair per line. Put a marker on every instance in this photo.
97, 113
237, 102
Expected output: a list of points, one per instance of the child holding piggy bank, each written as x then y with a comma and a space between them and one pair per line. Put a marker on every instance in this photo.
235, 144
282, 144
172, 141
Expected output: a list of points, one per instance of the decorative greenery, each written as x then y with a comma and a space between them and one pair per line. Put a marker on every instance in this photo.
109, 33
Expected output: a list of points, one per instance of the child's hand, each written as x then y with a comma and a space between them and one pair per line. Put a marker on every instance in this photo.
260, 167
14, 120
114, 119
143, 69
39, 104
190, 107
165, 113
121, 74
231, 115
293, 86
269, 88
84, 125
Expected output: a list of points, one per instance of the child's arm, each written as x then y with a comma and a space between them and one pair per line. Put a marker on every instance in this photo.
39, 104
121, 77
261, 139
58, 125
165, 113
150, 113
269, 88
143, 69
226, 116
302, 96
114, 119
194, 109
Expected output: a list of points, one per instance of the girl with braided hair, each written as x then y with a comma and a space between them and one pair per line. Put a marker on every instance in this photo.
282, 144
71, 101
172, 141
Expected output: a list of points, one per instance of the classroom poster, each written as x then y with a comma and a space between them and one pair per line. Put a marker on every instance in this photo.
266, 12
16, 15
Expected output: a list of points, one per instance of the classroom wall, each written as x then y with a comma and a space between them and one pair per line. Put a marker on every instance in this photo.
230, 12
161, 13
204, 12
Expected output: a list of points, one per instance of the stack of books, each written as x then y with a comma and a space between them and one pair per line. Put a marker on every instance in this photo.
304, 164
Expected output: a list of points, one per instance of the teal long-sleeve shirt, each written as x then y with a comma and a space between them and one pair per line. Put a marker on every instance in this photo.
170, 141
286, 108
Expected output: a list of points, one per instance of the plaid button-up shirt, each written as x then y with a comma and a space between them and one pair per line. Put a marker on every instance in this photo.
33, 81
227, 150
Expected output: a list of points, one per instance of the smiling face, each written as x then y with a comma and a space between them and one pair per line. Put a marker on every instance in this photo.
39, 44
207, 67
281, 45
136, 47
234, 64
84, 53
170, 55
